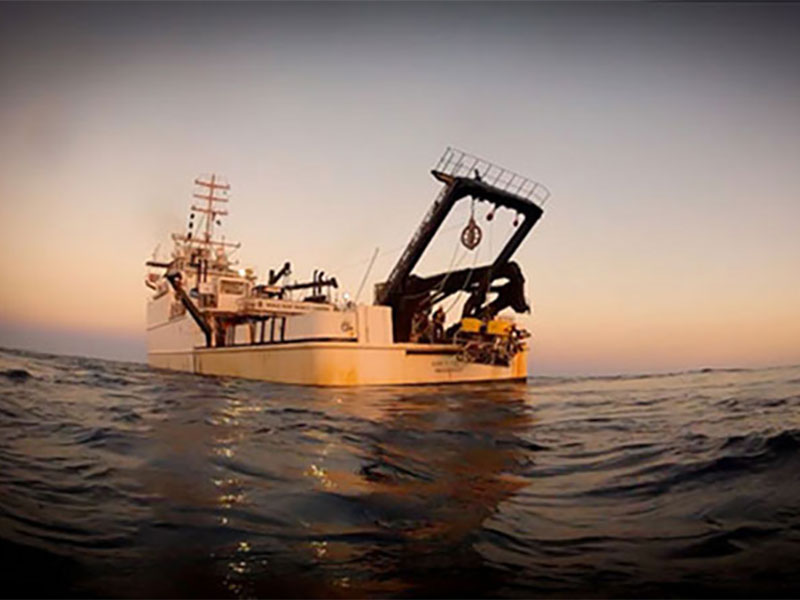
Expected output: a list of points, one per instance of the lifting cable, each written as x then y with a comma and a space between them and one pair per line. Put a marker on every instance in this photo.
466, 283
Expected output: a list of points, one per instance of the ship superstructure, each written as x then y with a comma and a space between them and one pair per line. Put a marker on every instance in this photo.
207, 316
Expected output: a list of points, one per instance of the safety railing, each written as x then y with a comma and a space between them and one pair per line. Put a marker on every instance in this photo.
457, 163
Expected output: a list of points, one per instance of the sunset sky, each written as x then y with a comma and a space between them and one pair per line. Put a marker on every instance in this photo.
668, 134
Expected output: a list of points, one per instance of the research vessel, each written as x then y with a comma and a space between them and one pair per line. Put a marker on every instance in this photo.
206, 316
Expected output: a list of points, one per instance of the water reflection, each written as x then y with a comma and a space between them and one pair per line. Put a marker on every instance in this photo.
281, 491
419, 471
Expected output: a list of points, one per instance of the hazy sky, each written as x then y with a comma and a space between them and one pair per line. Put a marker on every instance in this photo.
669, 135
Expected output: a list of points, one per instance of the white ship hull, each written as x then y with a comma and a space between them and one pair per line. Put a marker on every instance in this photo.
340, 364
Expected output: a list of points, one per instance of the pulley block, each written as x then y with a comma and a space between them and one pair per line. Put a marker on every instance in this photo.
471, 234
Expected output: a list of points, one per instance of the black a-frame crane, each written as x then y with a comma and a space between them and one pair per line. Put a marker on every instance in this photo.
465, 176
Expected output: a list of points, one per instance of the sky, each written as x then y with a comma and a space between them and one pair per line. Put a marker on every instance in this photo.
667, 133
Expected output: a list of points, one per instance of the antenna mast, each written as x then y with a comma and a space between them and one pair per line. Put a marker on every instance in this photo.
210, 188
210, 210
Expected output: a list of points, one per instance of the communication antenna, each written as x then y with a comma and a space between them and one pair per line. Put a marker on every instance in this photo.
210, 210
366, 273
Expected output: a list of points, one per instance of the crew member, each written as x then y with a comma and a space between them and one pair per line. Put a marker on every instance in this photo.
438, 325
419, 325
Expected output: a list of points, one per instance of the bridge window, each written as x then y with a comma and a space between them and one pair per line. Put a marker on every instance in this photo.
231, 287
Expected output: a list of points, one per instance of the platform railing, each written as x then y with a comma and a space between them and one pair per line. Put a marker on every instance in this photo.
458, 163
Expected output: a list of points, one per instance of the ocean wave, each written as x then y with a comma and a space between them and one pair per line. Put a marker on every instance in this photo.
17, 375
577, 486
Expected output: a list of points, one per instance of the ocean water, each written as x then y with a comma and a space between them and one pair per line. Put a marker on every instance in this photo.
121, 481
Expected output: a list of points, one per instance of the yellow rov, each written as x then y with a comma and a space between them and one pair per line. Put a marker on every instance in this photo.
490, 342
501, 327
